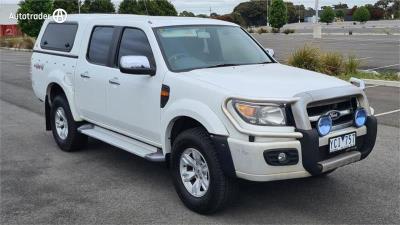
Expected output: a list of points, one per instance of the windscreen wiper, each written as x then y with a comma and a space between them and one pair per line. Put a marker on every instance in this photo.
222, 65
267, 62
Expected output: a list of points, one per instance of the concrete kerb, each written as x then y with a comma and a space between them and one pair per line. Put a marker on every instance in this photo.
387, 83
17, 49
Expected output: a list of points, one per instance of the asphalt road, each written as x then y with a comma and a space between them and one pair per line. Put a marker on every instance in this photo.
103, 185
378, 53
371, 27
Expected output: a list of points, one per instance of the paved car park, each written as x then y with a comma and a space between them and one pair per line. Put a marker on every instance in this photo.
376, 52
378, 27
102, 184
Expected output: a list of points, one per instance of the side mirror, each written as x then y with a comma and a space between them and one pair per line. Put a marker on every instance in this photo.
136, 65
270, 51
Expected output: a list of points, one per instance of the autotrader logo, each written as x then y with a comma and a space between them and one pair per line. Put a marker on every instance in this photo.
59, 15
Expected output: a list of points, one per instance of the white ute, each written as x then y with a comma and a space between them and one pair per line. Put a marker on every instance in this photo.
200, 94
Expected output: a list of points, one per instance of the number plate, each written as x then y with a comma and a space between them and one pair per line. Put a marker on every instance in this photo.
342, 142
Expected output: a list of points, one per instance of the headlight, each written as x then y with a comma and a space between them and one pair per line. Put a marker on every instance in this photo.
261, 114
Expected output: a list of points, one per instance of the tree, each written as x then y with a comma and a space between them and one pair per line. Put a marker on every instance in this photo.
361, 14
202, 16
98, 6
375, 12
340, 6
238, 19
396, 15
327, 15
384, 4
147, 7
138, 7
187, 14
395, 9
69, 6
300, 11
340, 13
253, 12
309, 12
233, 18
214, 14
291, 13
128, 7
165, 8
226, 17
32, 26
295, 12
277, 14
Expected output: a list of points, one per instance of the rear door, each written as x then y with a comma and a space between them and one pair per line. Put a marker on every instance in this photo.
92, 73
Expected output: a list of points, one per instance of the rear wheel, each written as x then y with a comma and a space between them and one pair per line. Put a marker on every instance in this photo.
197, 174
63, 126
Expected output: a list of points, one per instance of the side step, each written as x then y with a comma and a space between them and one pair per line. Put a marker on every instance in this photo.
131, 145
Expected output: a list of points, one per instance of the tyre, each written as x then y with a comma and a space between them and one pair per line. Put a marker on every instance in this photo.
64, 127
197, 174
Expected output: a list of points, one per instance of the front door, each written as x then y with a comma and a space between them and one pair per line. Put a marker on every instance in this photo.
133, 101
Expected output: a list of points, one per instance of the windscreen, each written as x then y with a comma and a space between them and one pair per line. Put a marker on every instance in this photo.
195, 47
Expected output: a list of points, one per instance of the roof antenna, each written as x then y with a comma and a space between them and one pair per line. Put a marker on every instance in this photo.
145, 5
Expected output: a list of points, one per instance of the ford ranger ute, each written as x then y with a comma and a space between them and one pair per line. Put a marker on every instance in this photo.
200, 94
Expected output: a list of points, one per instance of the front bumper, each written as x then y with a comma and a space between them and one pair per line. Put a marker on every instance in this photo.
250, 164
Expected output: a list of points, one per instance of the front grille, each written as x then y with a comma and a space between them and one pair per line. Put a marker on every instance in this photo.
346, 107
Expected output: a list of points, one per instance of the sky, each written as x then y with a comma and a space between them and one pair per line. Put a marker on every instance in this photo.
226, 6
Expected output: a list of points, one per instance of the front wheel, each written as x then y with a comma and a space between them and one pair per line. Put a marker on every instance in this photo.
198, 178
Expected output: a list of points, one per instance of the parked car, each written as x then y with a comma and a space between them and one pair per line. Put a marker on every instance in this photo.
202, 95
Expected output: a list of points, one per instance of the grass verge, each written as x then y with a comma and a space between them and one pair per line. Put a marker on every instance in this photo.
334, 64
364, 75
17, 42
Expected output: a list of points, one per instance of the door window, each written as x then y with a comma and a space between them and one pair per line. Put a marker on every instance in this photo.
100, 45
59, 36
134, 42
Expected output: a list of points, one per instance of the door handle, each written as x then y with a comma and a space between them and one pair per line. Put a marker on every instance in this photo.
114, 81
85, 75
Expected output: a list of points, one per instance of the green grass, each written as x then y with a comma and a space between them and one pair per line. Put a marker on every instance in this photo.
363, 75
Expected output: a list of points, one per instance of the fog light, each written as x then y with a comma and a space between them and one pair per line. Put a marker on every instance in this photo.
324, 125
282, 157
360, 117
